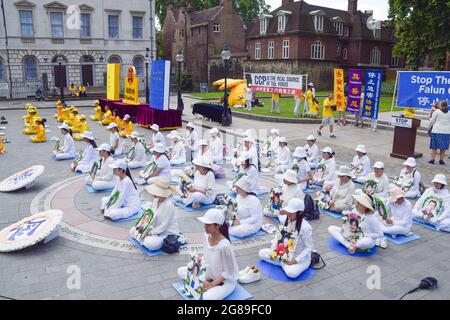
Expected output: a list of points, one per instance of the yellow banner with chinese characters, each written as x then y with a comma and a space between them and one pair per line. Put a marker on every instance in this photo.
131, 92
339, 97
113, 81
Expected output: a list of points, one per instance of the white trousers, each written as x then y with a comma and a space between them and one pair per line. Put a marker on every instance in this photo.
282, 168
292, 271
100, 184
154, 242
444, 225
249, 105
84, 168
412, 194
216, 293
136, 164
153, 179
276, 105
269, 213
394, 229
63, 156
118, 213
363, 243
297, 107
198, 197
177, 161
244, 230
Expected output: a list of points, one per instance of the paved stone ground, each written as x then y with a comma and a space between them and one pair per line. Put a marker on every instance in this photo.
40, 272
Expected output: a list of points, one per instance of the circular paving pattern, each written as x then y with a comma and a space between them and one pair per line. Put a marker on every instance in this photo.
83, 223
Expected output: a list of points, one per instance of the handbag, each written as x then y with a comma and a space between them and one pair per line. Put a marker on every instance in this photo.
315, 259
171, 244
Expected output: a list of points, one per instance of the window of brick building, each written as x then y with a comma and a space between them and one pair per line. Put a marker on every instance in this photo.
376, 33
318, 51
395, 61
346, 31
216, 27
257, 50
138, 27
285, 49
271, 50
282, 20
345, 54
375, 56
262, 26
339, 26
26, 23
318, 23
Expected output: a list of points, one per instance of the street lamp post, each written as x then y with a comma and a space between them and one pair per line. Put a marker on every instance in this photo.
60, 61
180, 59
226, 116
147, 91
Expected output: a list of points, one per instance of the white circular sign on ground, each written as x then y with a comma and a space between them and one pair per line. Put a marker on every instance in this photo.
21, 179
30, 230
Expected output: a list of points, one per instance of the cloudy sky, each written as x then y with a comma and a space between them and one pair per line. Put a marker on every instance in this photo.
380, 7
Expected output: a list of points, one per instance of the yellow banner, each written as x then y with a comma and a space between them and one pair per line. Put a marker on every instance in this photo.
113, 82
339, 89
131, 92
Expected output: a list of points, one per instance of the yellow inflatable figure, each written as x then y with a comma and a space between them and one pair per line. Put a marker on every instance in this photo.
2, 146
81, 128
74, 117
40, 132
409, 112
126, 127
98, 112
236, 91
30, 127
59, 107
107, 117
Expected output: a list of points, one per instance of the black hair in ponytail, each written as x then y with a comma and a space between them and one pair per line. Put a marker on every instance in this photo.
128, 173
298, 220
43, 122
92, 143
224, 230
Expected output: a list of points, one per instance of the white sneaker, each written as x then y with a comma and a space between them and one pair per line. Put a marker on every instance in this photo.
251, 276
383, 243
244, 271
378, 242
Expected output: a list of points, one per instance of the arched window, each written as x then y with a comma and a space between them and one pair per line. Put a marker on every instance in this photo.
30, 69
87, 59
375, 56
318, 51
115, 59
138, 63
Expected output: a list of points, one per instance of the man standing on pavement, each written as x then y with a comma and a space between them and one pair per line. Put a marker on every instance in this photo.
329, 106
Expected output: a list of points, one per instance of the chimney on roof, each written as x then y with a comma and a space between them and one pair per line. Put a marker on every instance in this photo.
369, 12
286, 2
352, 7
169, 5
226, 4
190, 9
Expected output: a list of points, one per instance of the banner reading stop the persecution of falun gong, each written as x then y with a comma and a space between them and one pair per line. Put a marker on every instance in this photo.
131, 91
290, 84
421, 90
113, 81
354, 90
372, 93
339, 89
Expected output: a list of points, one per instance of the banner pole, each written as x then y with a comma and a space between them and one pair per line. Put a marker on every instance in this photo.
395, 91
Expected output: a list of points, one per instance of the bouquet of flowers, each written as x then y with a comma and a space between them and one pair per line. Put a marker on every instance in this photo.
131, 153
266, 148
143, 225
379, 206
275, 202
78, 159
356, 169
324, 197
405, 181
370, 187
295, 166
94, 169
352, 225
308, 154
319, 173
193, 283
230, 210
285, 244
191, 172
185, 185
57, 143
147, 172
113, 199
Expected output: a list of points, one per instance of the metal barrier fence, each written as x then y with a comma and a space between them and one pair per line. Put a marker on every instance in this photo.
19, 89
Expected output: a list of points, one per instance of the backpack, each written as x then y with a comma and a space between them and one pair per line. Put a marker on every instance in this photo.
171, 244
311, 210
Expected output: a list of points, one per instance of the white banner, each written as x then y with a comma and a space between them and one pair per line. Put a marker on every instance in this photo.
277, 83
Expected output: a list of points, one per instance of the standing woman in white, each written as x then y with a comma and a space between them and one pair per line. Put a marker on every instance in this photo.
222, 271
216, 146
67, 151
312, 152
249, 210
202, 190
114, 139
192, 140
292, 217
136, 156
104, 178
177, 153
284, 156
88, 156
123, 201
165, 222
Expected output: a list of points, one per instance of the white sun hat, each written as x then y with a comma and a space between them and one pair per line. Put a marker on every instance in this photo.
111, 126
361, 148
275, 131
88, 135
154, 127
173, 135
104, 147
190, 125
282, 140
344, 171
310, 138
213, 216
379, 165
328, 150
159, 147
245, 156
295, 205
202, 162
214, 131
134, 134
290, 175
364, 199
64, 126
311, 84
202, 142
249, 139
160, 188
440, 178
299, 152
410, 162
126, 117
244, 184
119, 164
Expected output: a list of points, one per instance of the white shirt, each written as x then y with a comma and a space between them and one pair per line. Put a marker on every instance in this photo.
164, 164
249, 210
89, 155
254, 156
401, 214
291, 192
220, 260
274, 144
284, 156
364, 161
312, 153
68, 145
128, 197
113, 137
207, 154
372, 227
139, 153
343, 193
441, 194
105, 173
216, 148
382, 185
440, 122
192, 140
158, 137
303, 170
178, 152
305, 244
205, 182
165, 222
330, 170
253, 177
416, 180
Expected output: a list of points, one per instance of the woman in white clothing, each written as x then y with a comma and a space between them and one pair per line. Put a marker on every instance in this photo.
115, 142
160, 169
326, 169
249, 169
249, 210
361, 164
123, 201
400, 209
271, 147
157, 137
89, 155
284, 156
165, 221
409, 179
136, 155
67, 151
103, 178
292, 217
203, 186
301, 166
177, 151
204, 150
440, 132
312, 152
216, 146
192, 139
377, 183
361, 226
249, 147
222, 271
342, 191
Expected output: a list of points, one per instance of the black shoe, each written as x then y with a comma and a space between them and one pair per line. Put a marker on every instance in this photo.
441, 162
431, 161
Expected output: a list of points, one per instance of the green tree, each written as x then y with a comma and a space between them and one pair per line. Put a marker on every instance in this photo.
421, 28
160, 51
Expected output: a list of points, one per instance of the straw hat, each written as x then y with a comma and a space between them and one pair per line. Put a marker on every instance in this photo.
245, 156
396, 193
160, 188
214, 131
274, 131
190, 125
365, 200
344, 171
126, 117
